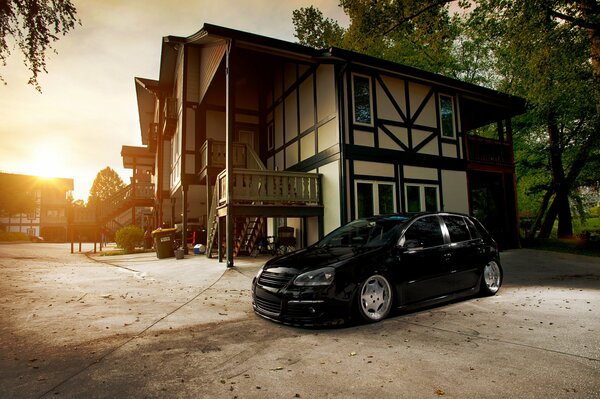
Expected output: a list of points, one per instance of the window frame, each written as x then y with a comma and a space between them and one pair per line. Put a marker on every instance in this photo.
403, 239
371, 118
451, 98
422, 202
375, 192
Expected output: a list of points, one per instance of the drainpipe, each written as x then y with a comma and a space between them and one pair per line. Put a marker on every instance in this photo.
229, 114
342, 137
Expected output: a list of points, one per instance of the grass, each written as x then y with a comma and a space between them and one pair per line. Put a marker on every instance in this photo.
119, 251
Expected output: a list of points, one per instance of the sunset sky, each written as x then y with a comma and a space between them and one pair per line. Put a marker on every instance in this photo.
88, 108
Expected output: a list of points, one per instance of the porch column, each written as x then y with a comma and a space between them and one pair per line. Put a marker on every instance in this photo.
184, 206
229, 129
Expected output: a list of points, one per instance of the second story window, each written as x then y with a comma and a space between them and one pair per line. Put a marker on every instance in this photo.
446, 116
361, 92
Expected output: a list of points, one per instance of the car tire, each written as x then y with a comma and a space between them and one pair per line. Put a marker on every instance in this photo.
491, 278
375, 298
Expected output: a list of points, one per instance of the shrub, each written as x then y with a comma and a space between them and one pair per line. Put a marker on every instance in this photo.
12, 236
129, 237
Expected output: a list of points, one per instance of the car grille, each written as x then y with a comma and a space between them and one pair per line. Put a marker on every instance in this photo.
274, 280
272, 307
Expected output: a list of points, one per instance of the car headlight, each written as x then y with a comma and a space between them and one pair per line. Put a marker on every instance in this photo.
259, 273
322, 276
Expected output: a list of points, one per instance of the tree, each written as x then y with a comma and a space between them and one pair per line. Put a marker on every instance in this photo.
543, 51
313, 30
547, 51
106, 184
34, 25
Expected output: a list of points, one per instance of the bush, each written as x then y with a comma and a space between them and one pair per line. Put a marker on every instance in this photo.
129, 237
12, 236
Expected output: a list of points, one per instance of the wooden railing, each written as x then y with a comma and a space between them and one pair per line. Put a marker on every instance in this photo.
212, 154
480, 149
270, 187
84, 216
124, 197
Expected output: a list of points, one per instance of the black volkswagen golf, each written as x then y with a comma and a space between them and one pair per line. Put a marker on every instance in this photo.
370, 266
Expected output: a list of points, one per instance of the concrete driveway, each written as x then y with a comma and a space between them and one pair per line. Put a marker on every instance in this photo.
134, 326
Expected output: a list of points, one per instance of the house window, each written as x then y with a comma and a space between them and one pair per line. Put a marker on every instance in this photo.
421, 198
375, 198
361, 92
447, 116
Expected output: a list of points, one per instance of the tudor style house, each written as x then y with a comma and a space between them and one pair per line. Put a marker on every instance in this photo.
244, 134
48, 217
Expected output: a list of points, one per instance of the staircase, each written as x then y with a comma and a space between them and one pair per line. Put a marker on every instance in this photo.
257, 193
213, 224
250, 232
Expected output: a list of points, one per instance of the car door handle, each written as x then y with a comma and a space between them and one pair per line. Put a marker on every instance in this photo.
446, 256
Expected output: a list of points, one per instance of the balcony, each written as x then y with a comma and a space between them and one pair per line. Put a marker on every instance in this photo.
271, 193
489, 151
213, 158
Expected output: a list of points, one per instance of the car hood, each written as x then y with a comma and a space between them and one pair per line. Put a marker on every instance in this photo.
316, 257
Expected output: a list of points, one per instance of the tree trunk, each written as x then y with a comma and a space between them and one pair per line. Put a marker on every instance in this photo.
560, 206
592, 141
541, 211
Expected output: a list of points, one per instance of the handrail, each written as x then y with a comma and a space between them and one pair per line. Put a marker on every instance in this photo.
134, 191
272, 187
213, 153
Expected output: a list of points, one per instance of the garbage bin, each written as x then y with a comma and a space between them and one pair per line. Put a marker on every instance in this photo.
163, 243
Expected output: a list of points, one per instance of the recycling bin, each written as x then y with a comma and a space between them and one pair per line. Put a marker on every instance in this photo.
163, 243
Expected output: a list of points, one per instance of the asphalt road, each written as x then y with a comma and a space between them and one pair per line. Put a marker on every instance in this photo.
73, 326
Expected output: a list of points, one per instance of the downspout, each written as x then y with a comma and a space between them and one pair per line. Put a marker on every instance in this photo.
184, 179
229, 127
342, 138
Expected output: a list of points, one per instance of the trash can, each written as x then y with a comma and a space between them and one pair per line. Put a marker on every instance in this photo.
163, 243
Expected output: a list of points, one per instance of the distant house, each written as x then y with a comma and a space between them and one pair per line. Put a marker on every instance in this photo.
259, 133
48, 219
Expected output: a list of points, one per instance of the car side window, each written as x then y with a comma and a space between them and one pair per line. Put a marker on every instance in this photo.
475, 234
457, 228
425, 232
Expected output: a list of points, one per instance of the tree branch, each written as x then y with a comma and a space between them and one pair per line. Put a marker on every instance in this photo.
410, 17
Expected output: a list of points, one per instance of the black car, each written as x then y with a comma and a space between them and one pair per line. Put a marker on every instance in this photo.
370, 266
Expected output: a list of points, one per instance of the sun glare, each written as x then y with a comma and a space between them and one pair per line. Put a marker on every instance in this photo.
47, 161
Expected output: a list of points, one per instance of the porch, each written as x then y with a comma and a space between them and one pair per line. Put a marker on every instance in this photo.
255, 195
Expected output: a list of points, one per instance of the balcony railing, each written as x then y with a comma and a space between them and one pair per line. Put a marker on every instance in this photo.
124, 198
84, 216
490, 151
269, 187
213, 154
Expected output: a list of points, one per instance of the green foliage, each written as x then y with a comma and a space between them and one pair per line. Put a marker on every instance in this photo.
129, 237
546, 51
313, 30
34, 25
106, 184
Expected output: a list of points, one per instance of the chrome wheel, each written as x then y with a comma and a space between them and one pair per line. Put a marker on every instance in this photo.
492, 278
375, 298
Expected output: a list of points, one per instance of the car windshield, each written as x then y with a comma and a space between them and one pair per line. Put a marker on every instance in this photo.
369, 233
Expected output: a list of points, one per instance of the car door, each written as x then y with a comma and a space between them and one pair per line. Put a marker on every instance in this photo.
423, 268
464, 253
